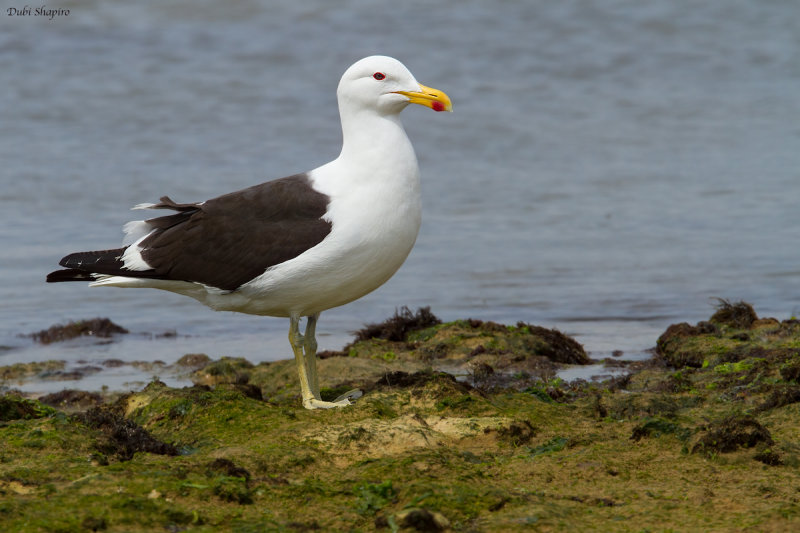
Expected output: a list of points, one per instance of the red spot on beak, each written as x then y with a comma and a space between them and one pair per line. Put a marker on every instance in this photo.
437, 106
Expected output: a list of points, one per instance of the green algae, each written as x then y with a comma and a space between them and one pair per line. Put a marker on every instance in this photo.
19, 371
423, 451
372, 497
739, 315
15, 408
654, 427
400, 326
554, 445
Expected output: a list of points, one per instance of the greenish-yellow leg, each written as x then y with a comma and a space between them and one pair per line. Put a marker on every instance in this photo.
296, 340
310, 348
305, 355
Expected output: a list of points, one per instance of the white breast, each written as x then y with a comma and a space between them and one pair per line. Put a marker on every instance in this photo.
375, 212
374, 226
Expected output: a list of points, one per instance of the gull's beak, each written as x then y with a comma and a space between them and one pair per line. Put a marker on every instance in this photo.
429, 97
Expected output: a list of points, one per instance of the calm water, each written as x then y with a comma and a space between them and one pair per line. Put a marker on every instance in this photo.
608, 170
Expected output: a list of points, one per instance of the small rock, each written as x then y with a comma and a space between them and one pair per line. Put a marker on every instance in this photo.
399, 326
96, 327
728, 434
193, 360
739, 315
71, 398
226, 467
422, 520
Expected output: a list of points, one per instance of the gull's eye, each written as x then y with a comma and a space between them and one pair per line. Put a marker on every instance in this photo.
379, 76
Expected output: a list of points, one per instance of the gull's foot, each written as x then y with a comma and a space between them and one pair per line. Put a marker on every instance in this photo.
342, 401
354, 394
313, 403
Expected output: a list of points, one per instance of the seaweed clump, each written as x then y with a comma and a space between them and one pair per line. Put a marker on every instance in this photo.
402, 380
226, 467
670, 346
397, 327
739, 315
731, 433
16, 408
124, 437
421, 519
440, 386
780, 397
96, 327
558, 347
733, 339
72, 398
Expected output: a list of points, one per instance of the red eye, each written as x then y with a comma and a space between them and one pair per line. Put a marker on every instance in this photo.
379, 76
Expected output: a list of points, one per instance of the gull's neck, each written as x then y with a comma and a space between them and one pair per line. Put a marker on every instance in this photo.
376, 141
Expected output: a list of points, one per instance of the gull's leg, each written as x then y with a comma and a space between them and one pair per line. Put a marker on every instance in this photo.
311, 365
305, 353
310, 347
296, 340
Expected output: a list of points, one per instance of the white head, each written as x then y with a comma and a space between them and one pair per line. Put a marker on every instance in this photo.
385, 85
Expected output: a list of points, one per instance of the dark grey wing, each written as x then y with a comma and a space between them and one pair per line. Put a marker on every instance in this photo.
229, 240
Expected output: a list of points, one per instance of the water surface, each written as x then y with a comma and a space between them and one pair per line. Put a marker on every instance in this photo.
608, 170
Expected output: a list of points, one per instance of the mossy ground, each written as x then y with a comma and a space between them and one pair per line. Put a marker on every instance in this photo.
696, 448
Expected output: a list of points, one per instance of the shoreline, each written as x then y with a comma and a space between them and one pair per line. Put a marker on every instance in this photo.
107, 372
701, 436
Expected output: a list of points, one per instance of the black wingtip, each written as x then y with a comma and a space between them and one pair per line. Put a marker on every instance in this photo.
70, 274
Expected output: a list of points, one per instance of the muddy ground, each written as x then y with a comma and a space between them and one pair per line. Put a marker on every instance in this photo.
704, 436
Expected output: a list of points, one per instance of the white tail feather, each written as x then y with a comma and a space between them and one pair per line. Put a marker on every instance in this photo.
135, 230
132, 257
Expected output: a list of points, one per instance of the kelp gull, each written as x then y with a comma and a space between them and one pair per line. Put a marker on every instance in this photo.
295, 246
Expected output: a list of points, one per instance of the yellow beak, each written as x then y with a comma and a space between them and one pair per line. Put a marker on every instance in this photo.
429, 97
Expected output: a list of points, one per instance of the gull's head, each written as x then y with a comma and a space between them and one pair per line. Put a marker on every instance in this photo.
385, 85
